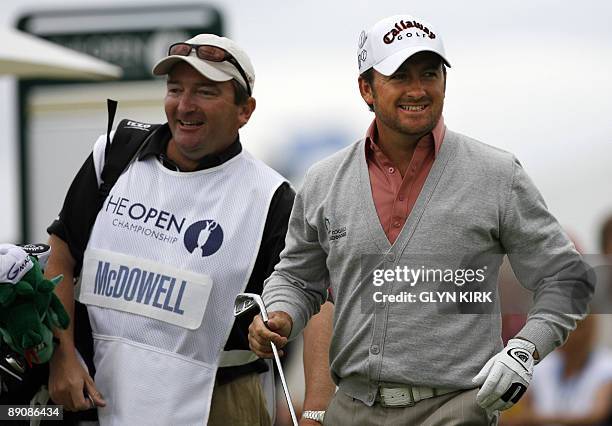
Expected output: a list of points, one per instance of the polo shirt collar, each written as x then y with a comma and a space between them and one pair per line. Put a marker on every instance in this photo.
158, 145
438, 135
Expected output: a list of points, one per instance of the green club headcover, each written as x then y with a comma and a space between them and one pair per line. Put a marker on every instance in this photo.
29, 308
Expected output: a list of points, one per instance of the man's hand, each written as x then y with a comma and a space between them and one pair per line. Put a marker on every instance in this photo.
277, 331
69, 383
505, 377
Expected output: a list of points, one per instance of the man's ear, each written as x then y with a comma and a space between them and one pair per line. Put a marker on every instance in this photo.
245, 111
366, 90
444, 74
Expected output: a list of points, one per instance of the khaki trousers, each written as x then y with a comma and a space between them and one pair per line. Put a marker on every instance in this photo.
240, 402
453, 409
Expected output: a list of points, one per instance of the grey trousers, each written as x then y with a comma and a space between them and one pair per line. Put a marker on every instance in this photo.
453, 409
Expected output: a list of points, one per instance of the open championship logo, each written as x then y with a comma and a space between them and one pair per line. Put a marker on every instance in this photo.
205, 235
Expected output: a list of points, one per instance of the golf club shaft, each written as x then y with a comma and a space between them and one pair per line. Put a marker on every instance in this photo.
16, 376
285, 388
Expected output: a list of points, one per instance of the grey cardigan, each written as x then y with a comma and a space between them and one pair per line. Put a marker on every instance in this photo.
476, 205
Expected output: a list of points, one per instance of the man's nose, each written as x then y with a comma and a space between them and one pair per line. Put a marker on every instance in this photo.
186, 103
415, 88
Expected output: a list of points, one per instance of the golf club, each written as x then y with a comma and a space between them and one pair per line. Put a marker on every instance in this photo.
10, 364
243, 303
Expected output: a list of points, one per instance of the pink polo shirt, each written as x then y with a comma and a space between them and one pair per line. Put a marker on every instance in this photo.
394, 196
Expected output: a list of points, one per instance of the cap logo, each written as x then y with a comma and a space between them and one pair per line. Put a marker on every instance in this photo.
362, 39
395, 32
362, 57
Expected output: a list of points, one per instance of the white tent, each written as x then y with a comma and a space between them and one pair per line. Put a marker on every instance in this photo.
27, 56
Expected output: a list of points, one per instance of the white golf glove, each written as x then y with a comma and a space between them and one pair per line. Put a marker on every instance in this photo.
505, 377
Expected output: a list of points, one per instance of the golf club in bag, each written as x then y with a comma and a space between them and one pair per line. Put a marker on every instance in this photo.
243, 303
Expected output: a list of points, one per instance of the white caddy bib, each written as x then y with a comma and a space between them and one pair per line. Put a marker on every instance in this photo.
167, 255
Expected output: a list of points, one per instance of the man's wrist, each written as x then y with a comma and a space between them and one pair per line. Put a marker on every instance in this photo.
65, 342
534, 353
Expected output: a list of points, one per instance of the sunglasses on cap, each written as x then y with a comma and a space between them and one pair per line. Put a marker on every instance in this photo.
209, 53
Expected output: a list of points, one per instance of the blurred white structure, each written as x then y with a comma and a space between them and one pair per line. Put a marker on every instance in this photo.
27, 56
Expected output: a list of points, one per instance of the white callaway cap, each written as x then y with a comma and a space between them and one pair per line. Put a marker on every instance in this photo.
216, 71
392, 40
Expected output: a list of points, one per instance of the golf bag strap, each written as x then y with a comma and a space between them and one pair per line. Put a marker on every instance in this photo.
126, 144
111, 106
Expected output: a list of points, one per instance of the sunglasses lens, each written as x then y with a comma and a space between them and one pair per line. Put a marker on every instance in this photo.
181, 49
212, 53
209, 53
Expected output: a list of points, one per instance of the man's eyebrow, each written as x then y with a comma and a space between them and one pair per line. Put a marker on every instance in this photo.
435, 65
208, 84
201, 84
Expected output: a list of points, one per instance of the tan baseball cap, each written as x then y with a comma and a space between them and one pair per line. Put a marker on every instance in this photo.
216, 71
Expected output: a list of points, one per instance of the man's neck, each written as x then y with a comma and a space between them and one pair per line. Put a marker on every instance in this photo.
399, 148
188, 164
184, 163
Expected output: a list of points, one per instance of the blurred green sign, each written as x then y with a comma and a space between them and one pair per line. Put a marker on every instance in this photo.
133, 38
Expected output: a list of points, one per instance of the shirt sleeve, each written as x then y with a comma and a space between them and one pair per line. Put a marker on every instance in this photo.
273, 241
299, 283
546, 262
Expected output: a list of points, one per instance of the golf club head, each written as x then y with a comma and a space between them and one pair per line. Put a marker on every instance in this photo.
11, 363
245, 301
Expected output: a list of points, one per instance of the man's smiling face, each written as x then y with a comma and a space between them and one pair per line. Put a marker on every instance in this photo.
202, 114
410, 101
